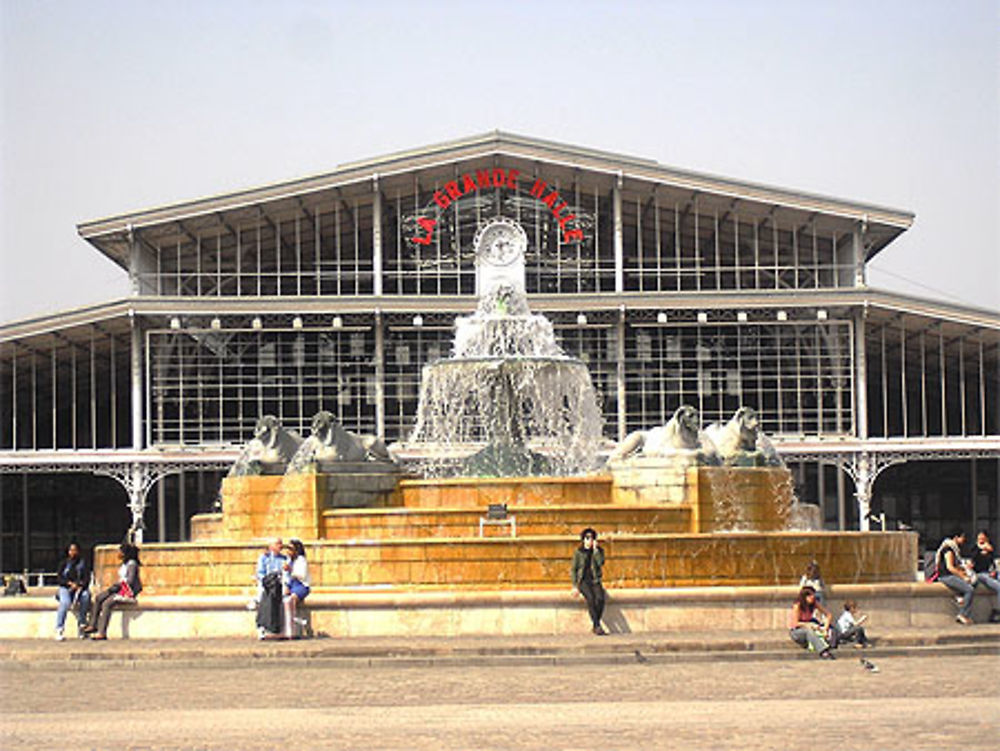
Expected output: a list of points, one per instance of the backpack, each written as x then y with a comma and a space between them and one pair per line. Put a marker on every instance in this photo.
930, 567
14, 586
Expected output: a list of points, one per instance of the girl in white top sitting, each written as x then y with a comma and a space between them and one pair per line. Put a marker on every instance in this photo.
296, 581
813, 578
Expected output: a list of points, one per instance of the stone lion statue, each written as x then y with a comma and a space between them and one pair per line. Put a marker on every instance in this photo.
269, 451
679, 434
330, 443
740, 442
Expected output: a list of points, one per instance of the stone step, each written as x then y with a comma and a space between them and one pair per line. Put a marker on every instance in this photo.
478, 493
633, 561
378, 524
726, 617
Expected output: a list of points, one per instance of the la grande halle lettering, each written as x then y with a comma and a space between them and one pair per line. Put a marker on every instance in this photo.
497, 178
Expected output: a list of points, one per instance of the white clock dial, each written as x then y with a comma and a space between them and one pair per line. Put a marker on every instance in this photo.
500, 242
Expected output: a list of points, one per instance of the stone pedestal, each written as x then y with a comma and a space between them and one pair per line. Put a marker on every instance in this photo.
246, 506
206, 527
292, 506
654, 480
359, 484
746, 499
480, 492
720, 498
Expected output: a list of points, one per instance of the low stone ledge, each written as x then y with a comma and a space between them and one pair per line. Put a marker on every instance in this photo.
403, 614
383, 598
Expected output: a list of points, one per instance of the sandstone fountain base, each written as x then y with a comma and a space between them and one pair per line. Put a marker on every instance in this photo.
427, 535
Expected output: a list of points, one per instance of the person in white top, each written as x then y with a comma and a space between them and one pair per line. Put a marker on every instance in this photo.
297, 585
813, 578
850, 626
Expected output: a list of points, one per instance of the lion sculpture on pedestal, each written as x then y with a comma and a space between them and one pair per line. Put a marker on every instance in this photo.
329, 444
269, 451
679, 434
740, 442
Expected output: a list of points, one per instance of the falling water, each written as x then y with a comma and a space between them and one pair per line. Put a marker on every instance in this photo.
508, 401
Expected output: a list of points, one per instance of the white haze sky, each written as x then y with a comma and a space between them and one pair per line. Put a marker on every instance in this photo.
109, 107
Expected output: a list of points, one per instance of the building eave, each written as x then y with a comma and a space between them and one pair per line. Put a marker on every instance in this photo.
67, 319
498, 143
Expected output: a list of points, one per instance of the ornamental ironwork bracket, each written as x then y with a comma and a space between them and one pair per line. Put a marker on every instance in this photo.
137, 478
864, 466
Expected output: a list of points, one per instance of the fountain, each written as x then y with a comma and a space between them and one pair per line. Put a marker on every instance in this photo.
511, 424
508, 387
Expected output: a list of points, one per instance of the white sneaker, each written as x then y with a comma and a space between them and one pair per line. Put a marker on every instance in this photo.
261, 633
60, 636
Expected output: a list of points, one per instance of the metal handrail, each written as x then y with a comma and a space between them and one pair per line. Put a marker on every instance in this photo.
39, 577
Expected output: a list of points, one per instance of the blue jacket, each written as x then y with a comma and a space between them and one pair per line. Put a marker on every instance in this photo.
269, 563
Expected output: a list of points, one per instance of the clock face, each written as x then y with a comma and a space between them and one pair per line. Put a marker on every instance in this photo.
500, 241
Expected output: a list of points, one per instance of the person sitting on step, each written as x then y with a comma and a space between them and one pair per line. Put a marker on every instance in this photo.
984, 566
270, 572
586, 572
805, 626
74, 590
126, 589
813, 578
952, 574
296, 585
850, 627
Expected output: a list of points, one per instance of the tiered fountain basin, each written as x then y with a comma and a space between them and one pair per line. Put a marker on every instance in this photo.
634, 561
425, 535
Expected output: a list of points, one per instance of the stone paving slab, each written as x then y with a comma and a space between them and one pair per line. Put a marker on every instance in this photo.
695, 706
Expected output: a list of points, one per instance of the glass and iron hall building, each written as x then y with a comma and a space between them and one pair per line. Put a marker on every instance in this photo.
332, 291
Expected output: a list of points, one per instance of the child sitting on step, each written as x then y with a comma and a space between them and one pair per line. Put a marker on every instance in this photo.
850, 626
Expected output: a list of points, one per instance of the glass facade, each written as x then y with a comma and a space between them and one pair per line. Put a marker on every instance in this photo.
334, 294
412, 235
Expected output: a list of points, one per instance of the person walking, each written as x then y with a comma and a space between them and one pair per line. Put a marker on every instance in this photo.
74, 590
586, 573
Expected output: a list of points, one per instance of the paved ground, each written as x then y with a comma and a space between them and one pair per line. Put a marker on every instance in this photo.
324, 703
538, 649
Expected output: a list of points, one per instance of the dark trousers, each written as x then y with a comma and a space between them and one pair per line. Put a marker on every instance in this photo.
593, 593
100, 612
853, 633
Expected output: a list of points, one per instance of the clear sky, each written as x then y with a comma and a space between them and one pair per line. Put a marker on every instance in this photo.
109, 107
